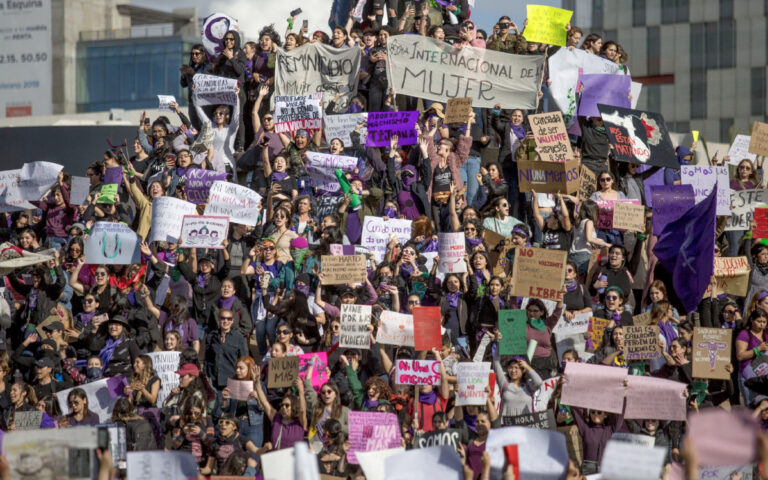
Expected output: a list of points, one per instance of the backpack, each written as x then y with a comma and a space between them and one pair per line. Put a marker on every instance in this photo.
139, 435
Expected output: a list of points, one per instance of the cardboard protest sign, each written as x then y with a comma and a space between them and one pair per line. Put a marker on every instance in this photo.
605, 212
457, 110
426, 328
168, 465
740, 150
241, 204
643, 319
655, 398
731, 277
282, 371
605, 89
214, 90
704, 179
641, 342
372, 431
547, 24
628, 216
294, 113
452, 250
383, 125
743, 204
639, 137
711, 352
548, 177
669, 203
395, 329
102, 395
198, 184
417, 372
588, 183
760, 218
758, 144
596, 328
27, 420
354, 326
552, 142
112, 244
449, 436
376, 233
79, 193
315, 367
645, 462
164, 103
343, 269
578, 324
539, 273
340, 126
544, 420
513, 327
167, 216
472, 378
322, 167
204, 231
239, 389
594, 386
165, 365
426, 68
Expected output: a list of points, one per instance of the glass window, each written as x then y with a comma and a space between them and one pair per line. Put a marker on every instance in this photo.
597, 15
727, 47
652, 94
638, 13
725, 130
668, 12
698, 93
697, 53
758, 87
713, 45
653, 47
682, 10
726, 9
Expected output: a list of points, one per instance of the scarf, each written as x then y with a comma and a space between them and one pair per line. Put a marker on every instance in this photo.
600, 129
616, 317
175, 274
669, 333
537, 323
453, 299
517, 130
479, 277
226, 303
763, 267
298, 255
571, 285
406, 270
369, 404
303, 289
429, 398
390, 212
279, 176
109, 349
497, 302
201, 279
354, 108
471, 422
87, 317
473, 242
32, 300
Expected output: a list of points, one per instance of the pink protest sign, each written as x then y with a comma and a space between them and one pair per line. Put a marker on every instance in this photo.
417, 372
655, 398
239, 389
594, 386
605, 212
722, 437
314, 365
371, 432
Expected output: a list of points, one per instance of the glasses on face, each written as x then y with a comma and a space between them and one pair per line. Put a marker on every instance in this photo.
745, 167
413, 302
409, 252
269, 248
229, 39
326, 391
606, 179
220, 114
224, 422
283, 331
268, 119
470, 229
100, 274
226, 319
89, 300
285, 405
611, 297
75, 249
729, 312
280, 216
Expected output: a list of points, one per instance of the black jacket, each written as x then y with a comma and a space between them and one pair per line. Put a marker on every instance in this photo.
204, 298
221, 358
122, 359
47, 297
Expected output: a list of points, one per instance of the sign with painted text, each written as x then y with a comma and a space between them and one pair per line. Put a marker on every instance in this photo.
282, 372
452, 250
639, 137
371, 432
548, 177
605, 212
214, 90
641, 343
322, 169
544, 420
355, 320
241, 204
340, 126
294, 113
427, 68
102, 395
743, 204
588, 183
449, 436
395, 329
740, 150
382, 126
338, 270
629, 217
547, 24
472, 378
551, 137
199, 183
704, 179
417, 372
112, 244
377, 231
167, 216
164, 103
457, 110
711, 352
731, 277
539, 273
204, 231
165, 365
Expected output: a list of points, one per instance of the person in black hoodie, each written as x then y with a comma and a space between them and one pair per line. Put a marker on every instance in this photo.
198, 63
231, 63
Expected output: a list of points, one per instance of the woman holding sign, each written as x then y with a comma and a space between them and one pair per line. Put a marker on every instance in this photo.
518, 382
289, 424
539, 329
751, 343
248, 413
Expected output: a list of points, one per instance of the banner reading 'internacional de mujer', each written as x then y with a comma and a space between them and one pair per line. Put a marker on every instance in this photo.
427, 68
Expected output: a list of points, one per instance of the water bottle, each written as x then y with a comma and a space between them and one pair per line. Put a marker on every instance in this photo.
602, 290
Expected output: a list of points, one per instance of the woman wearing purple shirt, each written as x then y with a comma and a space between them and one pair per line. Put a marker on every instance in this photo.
289, 424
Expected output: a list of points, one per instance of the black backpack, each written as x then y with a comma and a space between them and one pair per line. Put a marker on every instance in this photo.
139, 435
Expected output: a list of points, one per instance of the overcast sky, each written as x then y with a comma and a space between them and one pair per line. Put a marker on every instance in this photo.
254, 14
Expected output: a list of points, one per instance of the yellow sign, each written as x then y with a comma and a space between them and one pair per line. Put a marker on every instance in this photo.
547, 24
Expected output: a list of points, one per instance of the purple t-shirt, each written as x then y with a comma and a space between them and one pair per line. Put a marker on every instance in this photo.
187, 330
752, 342
288, 434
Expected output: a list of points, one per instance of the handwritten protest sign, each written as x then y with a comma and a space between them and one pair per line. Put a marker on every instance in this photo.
639, 137
102, 395
740, 150
539, 273
165, 365
282, 371
731, 277
594, 386
417, 372
241, 204
457, 110
544, 393
760, 221
547, 24
383, 125
355, 320
214, 90
322, 167
656, 398
376, 233
296, 112
340, 126
315, 367
112, 244
758, 144
578, 324
472, 378
603, 89
27, 420
239, 389
164, 103
395, 329
343, 269
645, 318
168, 465
167, 216
711, 352
641, 343
549, 177
79, 193
605, 212
743, 204
552, 142
628, 216
372, 431
588, 183
427, 68
704, 179
645, 462
513, 328
204, 231
426, 327
199, 183
449, 436
451, 248
596, 328
669, 203
107, 194
544, 420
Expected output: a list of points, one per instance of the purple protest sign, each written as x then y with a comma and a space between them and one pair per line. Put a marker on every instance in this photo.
655, 179
371, 432
199, 182
113, 175
382, 125
669, 203
610, 90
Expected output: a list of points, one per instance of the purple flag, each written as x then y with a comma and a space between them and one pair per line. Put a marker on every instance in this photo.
607, 89
199, 182
656, 178
115, 386
669, 204
686, 248
113, 175
382, 125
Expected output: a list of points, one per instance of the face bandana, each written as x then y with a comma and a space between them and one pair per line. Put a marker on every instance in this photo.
354, 108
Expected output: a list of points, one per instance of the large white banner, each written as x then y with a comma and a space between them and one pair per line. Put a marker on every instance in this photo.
25, 59
315, 67
427, 68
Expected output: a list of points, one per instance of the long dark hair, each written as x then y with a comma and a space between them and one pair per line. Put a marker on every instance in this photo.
757, 313
203, 57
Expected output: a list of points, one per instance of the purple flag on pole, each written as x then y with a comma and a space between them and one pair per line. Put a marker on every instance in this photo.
113, 175
686, 248
607, 89
669, 203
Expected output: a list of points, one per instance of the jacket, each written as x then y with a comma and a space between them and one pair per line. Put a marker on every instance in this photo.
47, 297
221, 358
204, 298
242, 323
122, 359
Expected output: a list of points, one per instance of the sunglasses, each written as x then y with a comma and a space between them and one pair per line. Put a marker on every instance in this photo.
606, 179
269, 249
229, 319
729, 312
414, 302
268, 119
194, 54
100, 274
327, 392
283, 332
89, 300
224, 422
470, 229
229, 39
611, 297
